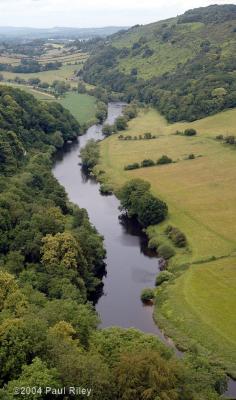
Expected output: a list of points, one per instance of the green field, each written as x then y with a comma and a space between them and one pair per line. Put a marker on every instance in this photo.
63, 74
201, 195
29, 89
82, 106
200, 307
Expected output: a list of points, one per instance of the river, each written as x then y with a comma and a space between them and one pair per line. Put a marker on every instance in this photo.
130, 265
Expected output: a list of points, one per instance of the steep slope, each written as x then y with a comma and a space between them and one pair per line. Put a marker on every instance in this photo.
185, 66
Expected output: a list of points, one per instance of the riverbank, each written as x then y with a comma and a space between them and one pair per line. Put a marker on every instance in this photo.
193, 191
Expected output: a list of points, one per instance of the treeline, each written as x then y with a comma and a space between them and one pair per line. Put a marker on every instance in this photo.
149, 163
28, 66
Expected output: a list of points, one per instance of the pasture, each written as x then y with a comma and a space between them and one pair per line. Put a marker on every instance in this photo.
82, 106
201, 195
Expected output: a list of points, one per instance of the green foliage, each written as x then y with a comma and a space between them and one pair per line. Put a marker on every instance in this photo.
178, 238
132, 166
107, 130
147, 163
101, 113
166, 251
90, 155
137, 200
164, 160
34, 376
163, 276
190, 132
184, 67
105, 189
121, 123
147, 295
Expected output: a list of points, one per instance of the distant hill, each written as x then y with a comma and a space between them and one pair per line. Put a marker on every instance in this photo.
185, 66
57, 32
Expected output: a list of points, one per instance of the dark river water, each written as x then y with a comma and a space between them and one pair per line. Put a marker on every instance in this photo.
130, 265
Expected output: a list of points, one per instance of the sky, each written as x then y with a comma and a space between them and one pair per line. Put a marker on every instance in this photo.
93, 13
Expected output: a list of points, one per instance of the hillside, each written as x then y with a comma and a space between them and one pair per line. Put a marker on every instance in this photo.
184, 66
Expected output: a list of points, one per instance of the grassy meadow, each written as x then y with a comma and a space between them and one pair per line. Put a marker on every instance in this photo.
82, 106
62, 74
201, 196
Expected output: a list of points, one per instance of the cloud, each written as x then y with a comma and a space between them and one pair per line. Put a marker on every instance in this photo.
46, 13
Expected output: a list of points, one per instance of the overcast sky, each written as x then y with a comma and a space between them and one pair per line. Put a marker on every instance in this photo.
92, 13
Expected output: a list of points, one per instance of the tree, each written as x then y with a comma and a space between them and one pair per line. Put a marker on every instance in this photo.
62, 250
90, 154
131, 193
36, 376
107, 130
146, 375
151, 210
121, 123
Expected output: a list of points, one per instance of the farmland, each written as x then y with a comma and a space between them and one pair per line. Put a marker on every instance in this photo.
201, 197
81, 106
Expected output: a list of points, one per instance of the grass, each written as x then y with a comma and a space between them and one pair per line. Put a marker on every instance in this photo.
201, 305
63, 74
183, 44
201, 195
36, 93
82, 106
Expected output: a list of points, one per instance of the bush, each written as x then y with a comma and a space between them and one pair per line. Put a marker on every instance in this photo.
147, 295
219, 137
150, 210
105, 189
230, 139
190, 132
90, 154
121, 123
166, 251
163, 277
147, 163
164, 160
136, 199
177, 237
153, 243
191, 157
131, 166
147, 135
107, 130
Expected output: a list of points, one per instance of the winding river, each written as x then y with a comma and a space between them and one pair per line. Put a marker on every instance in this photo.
130, 265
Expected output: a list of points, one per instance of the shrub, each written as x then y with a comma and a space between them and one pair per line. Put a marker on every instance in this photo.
90, 154
190, 132
107, 130
163, 277
147, 163
150, 210
219, 137
166, 251
105, 189
121, 123
131, 166
191, 157
137, 200
177, 237
164, 160
147, 295
147, 135
153, 243
230, 139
